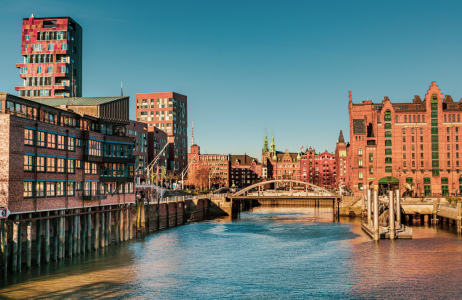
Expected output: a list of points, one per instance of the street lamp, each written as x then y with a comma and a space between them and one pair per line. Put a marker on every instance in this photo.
185, 171
211, 174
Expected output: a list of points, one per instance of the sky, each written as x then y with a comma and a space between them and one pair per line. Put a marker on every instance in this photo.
286, 66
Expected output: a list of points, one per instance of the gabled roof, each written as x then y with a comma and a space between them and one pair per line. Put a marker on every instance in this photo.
78, 101
243, 159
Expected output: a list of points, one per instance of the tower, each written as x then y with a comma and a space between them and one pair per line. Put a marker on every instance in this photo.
265, 144
52, 51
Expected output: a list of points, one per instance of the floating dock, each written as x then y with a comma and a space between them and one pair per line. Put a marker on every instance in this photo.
403, 232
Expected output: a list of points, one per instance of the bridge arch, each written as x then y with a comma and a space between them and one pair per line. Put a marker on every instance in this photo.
243, 191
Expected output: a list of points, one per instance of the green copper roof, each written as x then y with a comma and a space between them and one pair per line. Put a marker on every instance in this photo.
78, 101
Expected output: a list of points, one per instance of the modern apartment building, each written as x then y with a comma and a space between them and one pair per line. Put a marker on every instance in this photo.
55, 159
414, 146
139, 132
168, 112
52, 58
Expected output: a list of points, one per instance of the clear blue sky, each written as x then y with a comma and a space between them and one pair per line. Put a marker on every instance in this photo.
244, 65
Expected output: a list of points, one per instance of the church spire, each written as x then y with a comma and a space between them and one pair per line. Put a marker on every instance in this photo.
265, 144
340, 137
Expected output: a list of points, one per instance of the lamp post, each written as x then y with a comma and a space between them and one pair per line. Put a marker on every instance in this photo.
211, 174
185, 171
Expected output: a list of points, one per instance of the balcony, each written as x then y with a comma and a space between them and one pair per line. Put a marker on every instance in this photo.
116, 179
94, 197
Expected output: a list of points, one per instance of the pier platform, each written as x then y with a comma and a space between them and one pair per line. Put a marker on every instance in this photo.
404, 232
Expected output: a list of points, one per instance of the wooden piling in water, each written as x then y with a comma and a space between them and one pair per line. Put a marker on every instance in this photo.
96, 227
103, 229
126, 227
47, 239
14, 261
109, 228
89, 230
142, 217
83, 234
76, 233
121, 224
60, 236
70, 236
29, 242
4, 242
38, 241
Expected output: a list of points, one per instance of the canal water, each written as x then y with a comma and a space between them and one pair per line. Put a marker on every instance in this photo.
268, 253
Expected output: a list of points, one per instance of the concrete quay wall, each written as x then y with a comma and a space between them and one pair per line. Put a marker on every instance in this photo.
32, 239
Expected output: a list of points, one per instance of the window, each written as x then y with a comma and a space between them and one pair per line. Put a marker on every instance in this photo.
71, 143
28, 189
78, 164
78, 186
404, 155
360, 174
39, 70
360, 152
51, 139
61, 142
94, 168
61, 165
40, 189
404, 139
388, 160
388, 151
51, 164
388, 143
51, 189
49, 69
40, 163
87, 168
71, 166
37, 47
28, 163
360, 162
421, 139
70, 188
61, 188
371, 157
28, 137
63, 46
41, 139
388, 169
23, 70
371, 170
79, 142
51, 47
63, 69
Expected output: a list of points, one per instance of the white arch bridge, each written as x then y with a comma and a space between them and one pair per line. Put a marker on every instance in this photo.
317, 193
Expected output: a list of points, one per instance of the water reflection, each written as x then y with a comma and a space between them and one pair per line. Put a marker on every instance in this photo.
266, 253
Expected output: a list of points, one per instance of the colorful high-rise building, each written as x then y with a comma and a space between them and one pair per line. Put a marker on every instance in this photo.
168, 112
52, 53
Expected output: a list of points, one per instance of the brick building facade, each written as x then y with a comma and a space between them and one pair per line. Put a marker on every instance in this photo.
218, 166
139, 132
414, 146
308, 166
244, 171
56, 159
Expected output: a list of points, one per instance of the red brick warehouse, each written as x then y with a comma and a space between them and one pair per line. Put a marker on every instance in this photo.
414, 146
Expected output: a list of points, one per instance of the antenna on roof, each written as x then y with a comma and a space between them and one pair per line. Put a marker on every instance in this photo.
121, 90
192, 133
